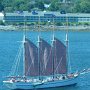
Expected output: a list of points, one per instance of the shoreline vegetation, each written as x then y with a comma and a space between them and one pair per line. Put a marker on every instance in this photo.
44, 28
74, 6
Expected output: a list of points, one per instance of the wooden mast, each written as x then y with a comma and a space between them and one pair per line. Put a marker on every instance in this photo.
24, 35
38, 50
53, 50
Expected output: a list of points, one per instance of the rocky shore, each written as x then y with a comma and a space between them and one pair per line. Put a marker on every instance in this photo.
43, 28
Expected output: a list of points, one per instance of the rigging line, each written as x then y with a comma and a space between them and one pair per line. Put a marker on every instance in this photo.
18, 60
48, 59
30, 64
70, 68
58, 64
29, 68
49, 55
42, 70
17, 67
15, 62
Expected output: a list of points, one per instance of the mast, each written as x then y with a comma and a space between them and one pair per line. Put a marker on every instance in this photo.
53, 50
67, 49
53, 26
38, 50
66, 40
53, 55
39, 58
23, 56
24, 35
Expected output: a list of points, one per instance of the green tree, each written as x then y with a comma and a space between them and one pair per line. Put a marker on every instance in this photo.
47, 1
18, 5
85, 6
1, 7
30, 6
40, 5
82, 6
54, 5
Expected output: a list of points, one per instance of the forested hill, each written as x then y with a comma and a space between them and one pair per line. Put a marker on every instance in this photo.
73, 6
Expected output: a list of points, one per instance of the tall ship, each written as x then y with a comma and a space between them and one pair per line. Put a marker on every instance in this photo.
44, 65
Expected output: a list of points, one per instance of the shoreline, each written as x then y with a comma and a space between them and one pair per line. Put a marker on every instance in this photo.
44, 28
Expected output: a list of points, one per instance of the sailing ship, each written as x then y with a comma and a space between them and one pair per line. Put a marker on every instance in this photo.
44, 65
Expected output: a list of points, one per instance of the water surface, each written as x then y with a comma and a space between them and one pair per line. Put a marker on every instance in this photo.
79, 53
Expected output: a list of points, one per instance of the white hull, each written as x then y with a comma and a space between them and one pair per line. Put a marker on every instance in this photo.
39, 85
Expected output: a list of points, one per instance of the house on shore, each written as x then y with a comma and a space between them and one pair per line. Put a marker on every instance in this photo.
46, 16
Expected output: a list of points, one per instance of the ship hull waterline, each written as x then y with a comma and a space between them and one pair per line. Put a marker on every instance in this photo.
37, 85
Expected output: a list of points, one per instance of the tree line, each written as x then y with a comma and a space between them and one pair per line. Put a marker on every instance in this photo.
71, 6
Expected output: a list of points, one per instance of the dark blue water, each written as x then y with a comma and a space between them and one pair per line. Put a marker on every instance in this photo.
79, 53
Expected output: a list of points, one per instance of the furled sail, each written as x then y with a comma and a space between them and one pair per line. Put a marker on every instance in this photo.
59, 56
31, 58
45, 57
